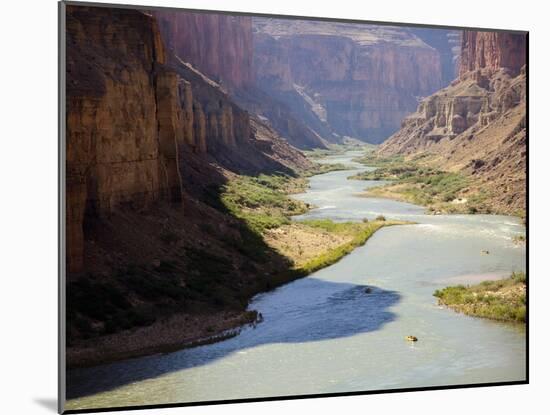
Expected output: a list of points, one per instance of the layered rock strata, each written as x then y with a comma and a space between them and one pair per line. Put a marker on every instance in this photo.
122, 119
323, 80
218, 45
354, 80
477, 125
492, 50
221, 47
135, 113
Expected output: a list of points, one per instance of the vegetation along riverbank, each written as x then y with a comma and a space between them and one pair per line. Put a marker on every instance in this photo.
503, 300
264, 204
417, 180
339, 149
148, 307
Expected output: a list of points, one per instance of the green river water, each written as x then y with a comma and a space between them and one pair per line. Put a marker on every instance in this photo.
323, 334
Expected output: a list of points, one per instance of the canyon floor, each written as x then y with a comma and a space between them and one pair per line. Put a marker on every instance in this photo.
231, 243
423, 180
366, 303
230, 246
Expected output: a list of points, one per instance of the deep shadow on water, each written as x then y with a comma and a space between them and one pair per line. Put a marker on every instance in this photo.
347, 310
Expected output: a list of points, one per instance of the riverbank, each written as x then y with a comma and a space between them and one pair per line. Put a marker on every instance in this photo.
205, 309
416, 180
180, 331
315, 244
263, 202
309, 322
503, 300
348, 144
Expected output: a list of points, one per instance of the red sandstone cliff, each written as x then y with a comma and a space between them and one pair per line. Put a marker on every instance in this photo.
136, 114
477, 125
492, 50
319, 81
122, 119
356, 80
147, 133
218, 45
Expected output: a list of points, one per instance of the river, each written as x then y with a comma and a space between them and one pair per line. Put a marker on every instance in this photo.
323, 334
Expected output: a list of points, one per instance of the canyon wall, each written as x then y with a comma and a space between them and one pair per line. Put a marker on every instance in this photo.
218, 45
136, 115
477, 125
297, 128
151, 144
354, 80
314, 82
122, 121
220, 131
448, 44
492, 50
211, 121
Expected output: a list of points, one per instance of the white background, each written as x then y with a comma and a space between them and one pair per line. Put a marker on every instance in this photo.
28, 191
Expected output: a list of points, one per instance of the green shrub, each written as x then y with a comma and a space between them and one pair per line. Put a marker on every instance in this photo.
418, 184
207, 228
132, 297
262, 201
498, 300
519, 277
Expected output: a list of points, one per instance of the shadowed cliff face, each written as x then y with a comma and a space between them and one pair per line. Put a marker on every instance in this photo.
314, 81
218, 45
221, 47
151, 143
477, 124
134, 111
354, 80
122, 119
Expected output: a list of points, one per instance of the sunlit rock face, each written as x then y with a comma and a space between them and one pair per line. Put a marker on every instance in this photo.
477, 124
358, 80
492, 50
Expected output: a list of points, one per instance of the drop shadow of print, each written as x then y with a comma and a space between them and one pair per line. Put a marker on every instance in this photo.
338, 310
48, 403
